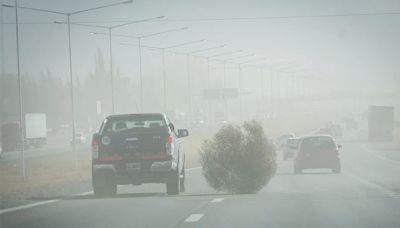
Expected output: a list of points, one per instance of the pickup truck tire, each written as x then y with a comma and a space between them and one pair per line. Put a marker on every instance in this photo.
104, 187
173, 186
182, 180
337, 168
297, 170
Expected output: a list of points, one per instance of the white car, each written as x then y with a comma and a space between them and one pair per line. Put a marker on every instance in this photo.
79, 138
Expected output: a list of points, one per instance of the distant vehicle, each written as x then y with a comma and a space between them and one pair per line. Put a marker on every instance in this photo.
198, 123
79, 138
281, 140
137, 149
10, 136
35, 132
315, 152
290, 147
35, 129
219, 118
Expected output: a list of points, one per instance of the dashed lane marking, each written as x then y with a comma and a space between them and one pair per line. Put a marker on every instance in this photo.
217, 200
194, 218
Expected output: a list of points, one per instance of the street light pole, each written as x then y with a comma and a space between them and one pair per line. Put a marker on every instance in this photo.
21, 118
209, 87
189, 88
224, 87
111, 71
163, 65
110, 35
139, 38
262, 90
71, 78
140, 75
240, 87
68, 15
2, 42
164, 80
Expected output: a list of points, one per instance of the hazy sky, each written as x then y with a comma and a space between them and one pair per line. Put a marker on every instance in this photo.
357, 47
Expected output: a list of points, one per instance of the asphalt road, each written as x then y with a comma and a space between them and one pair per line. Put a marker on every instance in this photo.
364, 195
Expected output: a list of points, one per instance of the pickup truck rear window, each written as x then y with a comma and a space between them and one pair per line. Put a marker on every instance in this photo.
134, 123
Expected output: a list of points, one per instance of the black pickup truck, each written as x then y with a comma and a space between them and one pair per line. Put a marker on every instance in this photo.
136, 149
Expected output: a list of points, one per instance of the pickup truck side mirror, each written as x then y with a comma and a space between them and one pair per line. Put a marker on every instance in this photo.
183, 133
339, 146
95, 136
171, 127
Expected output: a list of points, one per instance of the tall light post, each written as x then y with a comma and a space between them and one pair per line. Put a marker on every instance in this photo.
224, 74
110, 30
140, 38
2, 56
240, 87
208, 71
187, 65
20, 100
208, 59
68, 15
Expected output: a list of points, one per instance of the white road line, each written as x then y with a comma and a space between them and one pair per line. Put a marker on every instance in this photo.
3, 211
27, 206
217, 200
194, 218
195, 168
374, 186
87, 193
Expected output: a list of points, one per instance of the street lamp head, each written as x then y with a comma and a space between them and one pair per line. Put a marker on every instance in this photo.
160, 17
127, 2
58, 22
184, 28
203, 41
7, 5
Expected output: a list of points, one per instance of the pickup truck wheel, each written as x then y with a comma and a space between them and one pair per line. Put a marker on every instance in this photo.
173, 186
337, 168
297, 170
104, 188
182, 180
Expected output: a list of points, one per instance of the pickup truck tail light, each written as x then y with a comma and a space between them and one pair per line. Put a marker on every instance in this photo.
169, 145
95, 148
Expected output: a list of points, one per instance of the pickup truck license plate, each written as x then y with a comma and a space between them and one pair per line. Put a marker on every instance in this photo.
133, 166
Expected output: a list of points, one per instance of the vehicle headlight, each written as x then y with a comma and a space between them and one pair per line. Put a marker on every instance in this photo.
105, 140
